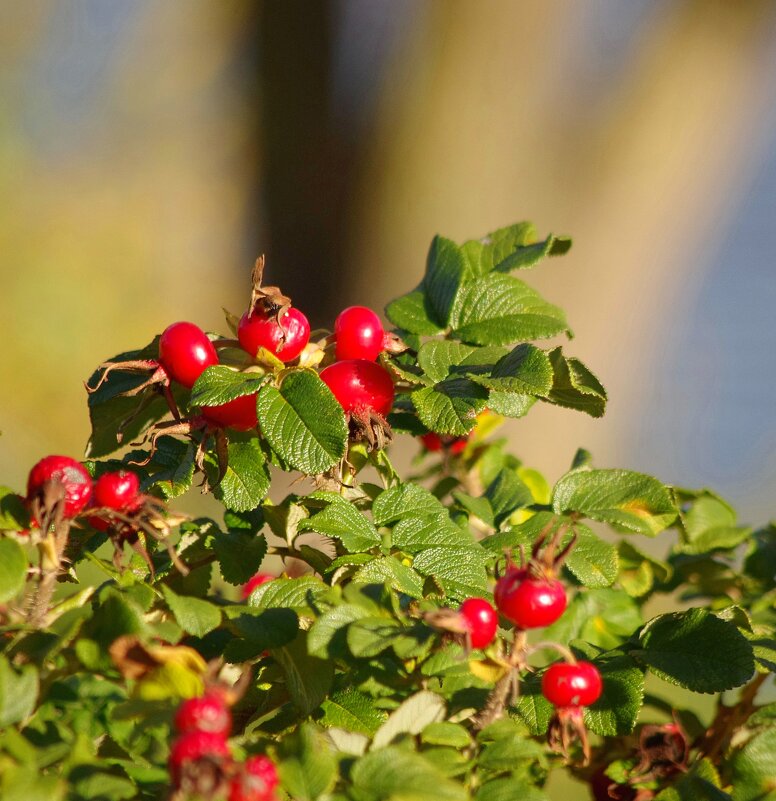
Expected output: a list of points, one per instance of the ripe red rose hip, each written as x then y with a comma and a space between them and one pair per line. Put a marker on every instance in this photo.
286, 341
434, 443
481, 620
527, 602
360, 386
359, 334
185, 351
194, 745
76, 482
257, 781
116, 490
255, 581
566, 685
208, 713
239, 413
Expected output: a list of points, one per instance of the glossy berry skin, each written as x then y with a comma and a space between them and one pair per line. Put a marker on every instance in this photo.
257, 782
258, 330
566, 685
481, 620
527, 602
70, 473
256, 581
208, 713
360, 386
185, 351
194, 745
239, 413
358, 334
117, 490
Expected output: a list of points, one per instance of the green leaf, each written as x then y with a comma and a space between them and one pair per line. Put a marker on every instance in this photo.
412, 313
13, 569
394, 774
592, 561
506, 494
172, 468
258, 631
753, 769
685, 648
639, 572
300, 594
460, 571
700, 783
532, 707
574, 386
246, 481
193, 615
240, 554
509, 789
220, 384
617, 710
308, 678
303, 422
307, 767
14, 515
451, 406
411, 717
510, 404
453, 735
341, 520
632, 501
353, 711
711, 524
414, 534
498, 247
524, 370
446, 270
404, 500
369, 636
389, 569
18, 692
436, 358
499, 310
327, 636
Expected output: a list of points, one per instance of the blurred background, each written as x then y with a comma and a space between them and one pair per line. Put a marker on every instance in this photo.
150, 151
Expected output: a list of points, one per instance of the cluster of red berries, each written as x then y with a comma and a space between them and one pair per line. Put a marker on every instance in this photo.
60, 479
200, 756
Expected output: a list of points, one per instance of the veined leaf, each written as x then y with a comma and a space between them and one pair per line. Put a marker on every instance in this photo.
220, 384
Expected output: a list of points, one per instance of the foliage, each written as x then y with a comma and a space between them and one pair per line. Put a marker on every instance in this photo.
350, 682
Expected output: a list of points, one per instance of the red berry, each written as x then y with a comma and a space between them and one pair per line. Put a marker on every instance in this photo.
256, 782
433, 442
259, 330
194, 745
481, 621
239, 413
529, 603
256, 581
117, 490
359, 334
185, 351
360, 385
565, 685
208, 713
70, 474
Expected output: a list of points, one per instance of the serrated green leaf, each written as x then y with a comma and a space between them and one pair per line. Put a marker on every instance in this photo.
510, 404
193, 615
258, 631
524, 370
639, 572
493, 249
341, 520
14, 515
411, 717
308, 678
617, 710
240, 554
412, 313
507, 493
172, 468
460, 571
700, 783
443, 732
574, 386
632, 501
414, 534
327, 636
498, 309
13, 569
18, 692
394, 774
220, 384
509, 789
389, 569
593, 562
353, 711
303, 422
300, 594
753, 769
532, 707
711, 524
446, 270
307, 767
684, 648
246, 481
369, 636
451, 406
436, 358
404, 500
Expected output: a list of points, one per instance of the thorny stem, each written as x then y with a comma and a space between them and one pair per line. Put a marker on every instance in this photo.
729, 718
40, 602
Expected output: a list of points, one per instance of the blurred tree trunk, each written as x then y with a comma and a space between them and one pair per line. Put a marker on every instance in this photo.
492, 118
